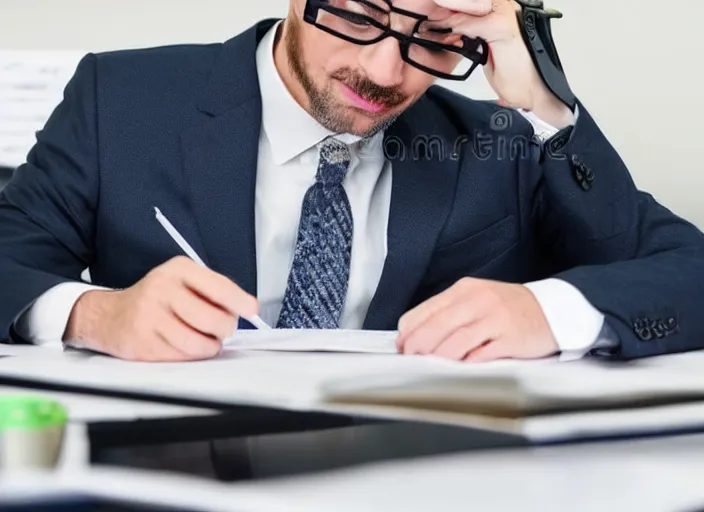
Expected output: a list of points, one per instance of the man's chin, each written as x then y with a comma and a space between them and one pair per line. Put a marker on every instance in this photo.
366, 128
343, 118
364, 124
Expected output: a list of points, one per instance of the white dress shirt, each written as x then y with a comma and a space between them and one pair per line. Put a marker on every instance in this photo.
287, 165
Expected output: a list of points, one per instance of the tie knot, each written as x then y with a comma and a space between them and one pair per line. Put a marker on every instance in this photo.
334, 161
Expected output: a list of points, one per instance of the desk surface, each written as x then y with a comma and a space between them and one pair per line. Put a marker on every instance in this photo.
654, 475
659, 475
286, 443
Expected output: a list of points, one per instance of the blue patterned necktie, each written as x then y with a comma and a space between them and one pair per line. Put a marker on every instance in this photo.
317, 285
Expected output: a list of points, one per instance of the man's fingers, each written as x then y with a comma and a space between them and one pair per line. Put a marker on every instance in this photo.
416, 317
201, 314
466, 339
473, 20
162, 351
216, 288
429, 335
194, 344
151, 346
473, 7
492, 351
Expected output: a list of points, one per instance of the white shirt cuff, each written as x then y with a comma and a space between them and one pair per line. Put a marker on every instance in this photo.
543, 130
44, 321
574, 322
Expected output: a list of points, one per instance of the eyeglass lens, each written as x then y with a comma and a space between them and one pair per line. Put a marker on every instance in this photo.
364, 21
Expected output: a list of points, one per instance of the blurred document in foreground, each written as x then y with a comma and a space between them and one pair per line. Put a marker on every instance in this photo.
31, 86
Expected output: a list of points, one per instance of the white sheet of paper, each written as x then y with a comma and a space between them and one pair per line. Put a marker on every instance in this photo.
285, 379
312, 340
31, 86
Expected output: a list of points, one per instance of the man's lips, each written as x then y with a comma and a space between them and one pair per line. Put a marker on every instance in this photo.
357, 100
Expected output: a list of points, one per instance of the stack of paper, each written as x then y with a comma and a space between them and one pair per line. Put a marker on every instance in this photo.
295, 340
544, 403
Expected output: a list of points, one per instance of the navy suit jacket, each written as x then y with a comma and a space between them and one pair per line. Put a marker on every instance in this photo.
178, 128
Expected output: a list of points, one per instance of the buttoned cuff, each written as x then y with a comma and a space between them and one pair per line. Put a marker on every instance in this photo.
574, 322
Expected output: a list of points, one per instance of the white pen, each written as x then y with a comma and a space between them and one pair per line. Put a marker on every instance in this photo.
256, 321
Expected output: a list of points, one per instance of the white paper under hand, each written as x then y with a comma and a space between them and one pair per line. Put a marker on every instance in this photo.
315, 340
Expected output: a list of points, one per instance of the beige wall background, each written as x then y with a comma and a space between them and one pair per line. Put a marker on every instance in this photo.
634, 63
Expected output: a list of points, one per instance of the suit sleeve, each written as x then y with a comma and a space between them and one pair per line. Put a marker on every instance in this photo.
47, 212
634, 260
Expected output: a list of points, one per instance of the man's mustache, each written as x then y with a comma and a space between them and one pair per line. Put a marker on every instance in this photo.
386, 96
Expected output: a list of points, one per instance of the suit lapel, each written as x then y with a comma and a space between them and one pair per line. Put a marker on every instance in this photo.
220, 160
423, 185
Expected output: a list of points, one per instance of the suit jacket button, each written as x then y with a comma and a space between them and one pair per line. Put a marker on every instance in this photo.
559, 141
582, 174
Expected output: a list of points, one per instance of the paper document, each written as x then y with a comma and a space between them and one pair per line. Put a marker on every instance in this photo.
31, 86
315, 340
279, 379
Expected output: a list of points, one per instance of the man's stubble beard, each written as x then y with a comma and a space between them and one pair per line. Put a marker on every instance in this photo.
322, 103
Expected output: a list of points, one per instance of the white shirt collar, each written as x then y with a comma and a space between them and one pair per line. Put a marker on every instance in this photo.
289, 128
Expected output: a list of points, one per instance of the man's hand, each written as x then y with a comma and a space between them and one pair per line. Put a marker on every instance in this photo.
510, 69
478, 320
179, 311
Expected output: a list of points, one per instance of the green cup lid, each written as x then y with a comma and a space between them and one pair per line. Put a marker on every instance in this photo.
29, 412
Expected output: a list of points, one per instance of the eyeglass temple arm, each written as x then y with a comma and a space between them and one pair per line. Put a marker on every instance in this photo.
534, 21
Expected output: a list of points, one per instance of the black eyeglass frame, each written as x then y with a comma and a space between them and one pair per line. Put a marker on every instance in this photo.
474, 49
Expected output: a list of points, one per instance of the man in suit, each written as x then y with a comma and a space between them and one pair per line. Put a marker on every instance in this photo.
327, 183
5, 176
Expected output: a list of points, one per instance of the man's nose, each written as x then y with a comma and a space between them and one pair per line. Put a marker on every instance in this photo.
382, 62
